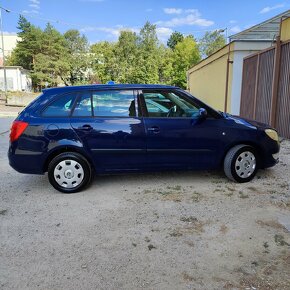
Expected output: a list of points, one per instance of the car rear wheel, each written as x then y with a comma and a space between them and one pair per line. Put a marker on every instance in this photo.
69, 172
240, 163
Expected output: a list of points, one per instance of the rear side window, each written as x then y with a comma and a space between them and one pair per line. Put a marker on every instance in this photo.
114, 104
60, 107
83, 106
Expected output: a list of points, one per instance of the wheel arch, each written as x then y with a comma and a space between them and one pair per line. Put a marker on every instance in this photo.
258, 150
66, 149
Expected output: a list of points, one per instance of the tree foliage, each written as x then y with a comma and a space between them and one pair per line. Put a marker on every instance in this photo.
185, 55
211, 42
57, 59
174, 38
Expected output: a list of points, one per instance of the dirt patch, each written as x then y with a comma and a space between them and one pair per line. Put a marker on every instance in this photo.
173, 230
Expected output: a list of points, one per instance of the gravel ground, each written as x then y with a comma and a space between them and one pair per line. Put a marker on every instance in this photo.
178, 230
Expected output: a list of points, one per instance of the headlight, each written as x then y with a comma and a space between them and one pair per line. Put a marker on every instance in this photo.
272, 134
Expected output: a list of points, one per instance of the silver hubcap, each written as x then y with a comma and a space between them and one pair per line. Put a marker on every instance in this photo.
68, 173
245, 164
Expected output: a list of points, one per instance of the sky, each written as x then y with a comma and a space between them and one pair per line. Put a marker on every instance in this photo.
103, 19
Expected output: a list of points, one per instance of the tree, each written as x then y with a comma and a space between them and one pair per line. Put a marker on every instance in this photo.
211, 42
104, 61
174, 38
185, 55
29, 45
148, 60
126, 52
51, 63
77, 57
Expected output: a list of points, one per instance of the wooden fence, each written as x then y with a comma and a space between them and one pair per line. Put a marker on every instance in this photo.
265, 93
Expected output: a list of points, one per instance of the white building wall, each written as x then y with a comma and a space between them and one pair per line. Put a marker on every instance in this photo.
242, 49
17, 79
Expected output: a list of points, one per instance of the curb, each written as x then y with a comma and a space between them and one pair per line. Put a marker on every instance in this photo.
8, 114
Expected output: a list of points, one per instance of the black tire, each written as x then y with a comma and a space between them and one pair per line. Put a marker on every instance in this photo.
77, 176
236, 168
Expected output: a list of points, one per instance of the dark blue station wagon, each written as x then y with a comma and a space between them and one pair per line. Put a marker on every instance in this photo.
74, 132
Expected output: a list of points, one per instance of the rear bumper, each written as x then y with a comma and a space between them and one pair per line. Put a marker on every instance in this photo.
25, 163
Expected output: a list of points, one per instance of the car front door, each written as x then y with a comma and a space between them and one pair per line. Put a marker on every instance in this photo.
176, 135
108, 124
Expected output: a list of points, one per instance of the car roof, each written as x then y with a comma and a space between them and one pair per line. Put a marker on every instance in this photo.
105, 87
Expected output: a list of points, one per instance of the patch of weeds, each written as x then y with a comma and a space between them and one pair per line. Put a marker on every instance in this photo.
176, 187
150, 247
228, 193
255, 263
190, 243
134, 245
166, 192
280, 240
156, 215
284, 185
171, 195
272, 191
196, 196
189, 219
216, 181
187, 277
224, 229
229, 188
3, 211
218, 190
147, 239
266, 245
252, 188
242, 195
272, 224
175, 233
146, 191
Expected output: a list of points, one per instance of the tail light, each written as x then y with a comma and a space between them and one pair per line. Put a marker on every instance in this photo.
18, 127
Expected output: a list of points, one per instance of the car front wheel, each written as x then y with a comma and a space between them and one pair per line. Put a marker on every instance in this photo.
240, 163
69, 172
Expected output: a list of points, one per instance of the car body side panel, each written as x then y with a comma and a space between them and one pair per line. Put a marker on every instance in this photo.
42, 137
183, 143
114, 143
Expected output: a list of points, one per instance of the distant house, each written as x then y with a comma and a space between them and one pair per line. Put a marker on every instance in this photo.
18, 79
10, 42
217, 79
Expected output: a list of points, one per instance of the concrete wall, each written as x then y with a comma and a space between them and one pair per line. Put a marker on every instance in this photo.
207, 79
285, 30
20, 100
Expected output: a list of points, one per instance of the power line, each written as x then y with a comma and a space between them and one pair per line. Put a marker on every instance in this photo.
82, 26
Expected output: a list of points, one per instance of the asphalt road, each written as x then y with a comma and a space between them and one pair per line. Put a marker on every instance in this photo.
186, 230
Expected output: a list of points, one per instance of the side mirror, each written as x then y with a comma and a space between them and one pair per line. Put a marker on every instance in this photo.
202, 113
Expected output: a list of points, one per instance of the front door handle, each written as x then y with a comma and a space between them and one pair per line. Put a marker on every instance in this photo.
86, 127
154, 129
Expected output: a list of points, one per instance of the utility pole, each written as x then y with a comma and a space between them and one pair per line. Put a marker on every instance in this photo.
3, 51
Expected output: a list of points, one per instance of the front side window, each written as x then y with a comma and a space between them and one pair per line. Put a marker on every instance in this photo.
114, 104
169, 104
60, 107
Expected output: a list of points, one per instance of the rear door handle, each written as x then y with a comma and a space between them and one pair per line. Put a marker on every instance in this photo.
154, 129
86, 127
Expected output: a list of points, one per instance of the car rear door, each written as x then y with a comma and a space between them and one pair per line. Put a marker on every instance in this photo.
176, 137
108, 125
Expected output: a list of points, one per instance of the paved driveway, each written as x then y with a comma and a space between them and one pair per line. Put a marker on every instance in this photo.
192, 230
